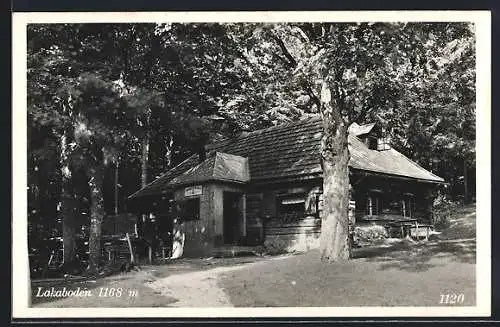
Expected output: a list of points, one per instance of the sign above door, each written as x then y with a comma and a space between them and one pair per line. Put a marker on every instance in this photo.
193, 190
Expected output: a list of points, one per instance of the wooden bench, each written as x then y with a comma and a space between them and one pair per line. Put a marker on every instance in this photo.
428, 228
403, 225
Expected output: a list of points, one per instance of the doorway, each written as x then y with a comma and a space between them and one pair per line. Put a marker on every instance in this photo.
232, 216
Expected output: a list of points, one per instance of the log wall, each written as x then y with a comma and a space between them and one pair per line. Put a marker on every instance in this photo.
282, 232
297, 236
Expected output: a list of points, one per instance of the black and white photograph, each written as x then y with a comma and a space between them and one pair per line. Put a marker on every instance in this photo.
246, 164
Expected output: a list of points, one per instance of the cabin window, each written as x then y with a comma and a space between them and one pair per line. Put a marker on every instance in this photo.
407, 207
396, 206
373, 205
291, 204
392, 207
189, 209
383, 144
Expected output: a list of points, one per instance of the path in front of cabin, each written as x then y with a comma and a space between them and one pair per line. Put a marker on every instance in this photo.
209, 288
199, 288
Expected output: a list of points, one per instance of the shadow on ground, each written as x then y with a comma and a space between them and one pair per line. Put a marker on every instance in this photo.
418, 257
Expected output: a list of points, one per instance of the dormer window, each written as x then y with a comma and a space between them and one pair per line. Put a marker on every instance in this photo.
383, 140
372, 135
383, 144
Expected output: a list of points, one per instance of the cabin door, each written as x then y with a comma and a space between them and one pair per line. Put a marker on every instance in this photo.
232, 217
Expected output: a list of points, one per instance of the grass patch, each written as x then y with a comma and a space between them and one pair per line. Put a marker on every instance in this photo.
401, 276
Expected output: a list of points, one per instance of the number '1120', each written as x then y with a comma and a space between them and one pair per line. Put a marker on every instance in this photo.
452, 298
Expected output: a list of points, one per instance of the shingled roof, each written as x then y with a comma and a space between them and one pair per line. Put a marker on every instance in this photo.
291, 150
219, 167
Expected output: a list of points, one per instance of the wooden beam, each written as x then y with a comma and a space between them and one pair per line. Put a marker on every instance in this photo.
398, 177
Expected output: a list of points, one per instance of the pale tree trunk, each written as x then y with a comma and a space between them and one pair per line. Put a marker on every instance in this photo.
334, 241
27, 265
117, 188
96, 177
117, 175
139, 226
144, 167
168, 155
466, 193
144, 180
145, 149
144, 160
66, 205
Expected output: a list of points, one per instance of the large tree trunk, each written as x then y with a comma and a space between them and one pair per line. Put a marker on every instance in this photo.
334, 242
67, 206
96, 177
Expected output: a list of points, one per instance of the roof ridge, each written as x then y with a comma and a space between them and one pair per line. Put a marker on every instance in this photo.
217, 159
228, 154
213, 145
416, 164
285, 124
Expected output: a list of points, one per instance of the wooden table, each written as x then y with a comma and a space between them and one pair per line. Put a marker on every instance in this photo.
405, 224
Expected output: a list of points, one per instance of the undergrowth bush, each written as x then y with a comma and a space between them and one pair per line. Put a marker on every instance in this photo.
442, 209
368, 234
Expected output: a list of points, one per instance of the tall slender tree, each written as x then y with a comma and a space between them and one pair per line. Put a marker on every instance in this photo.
100, 127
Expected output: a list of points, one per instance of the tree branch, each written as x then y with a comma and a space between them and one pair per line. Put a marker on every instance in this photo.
364, 111
292, 63
313, 96
282, 59
309, 30
126, 54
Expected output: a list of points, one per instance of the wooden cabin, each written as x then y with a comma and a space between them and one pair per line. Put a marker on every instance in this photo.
265, 187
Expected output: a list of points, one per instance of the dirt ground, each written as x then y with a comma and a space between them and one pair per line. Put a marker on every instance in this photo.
399, 274
152, 286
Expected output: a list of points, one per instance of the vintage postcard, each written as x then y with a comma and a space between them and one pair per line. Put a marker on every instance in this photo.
251, 164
